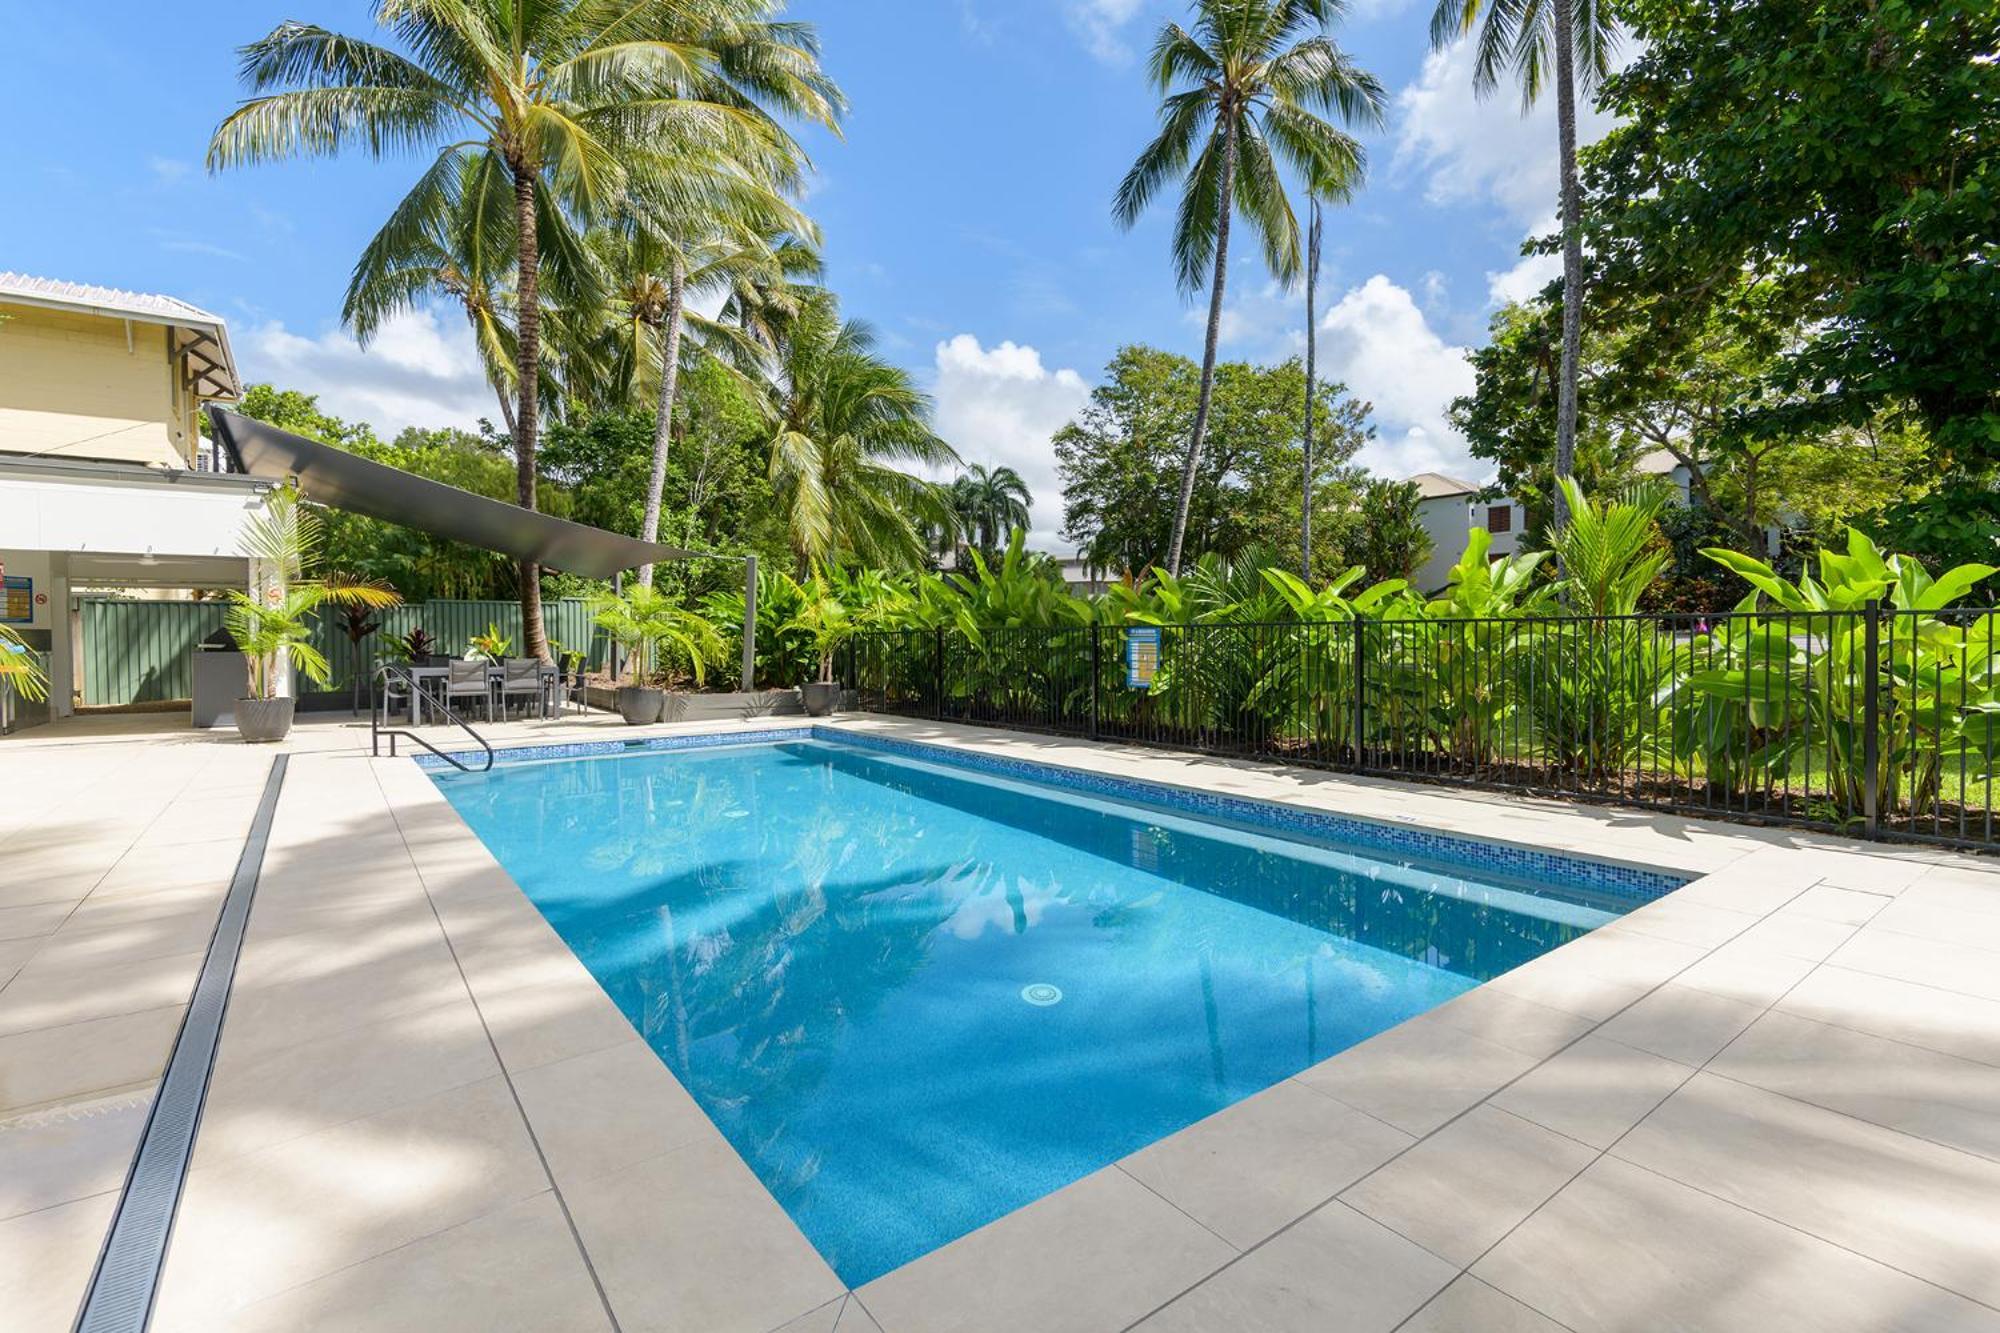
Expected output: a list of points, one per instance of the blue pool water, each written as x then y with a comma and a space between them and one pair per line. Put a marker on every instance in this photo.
916, 997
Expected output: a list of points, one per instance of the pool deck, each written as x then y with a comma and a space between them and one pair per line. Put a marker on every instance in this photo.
1767, 1101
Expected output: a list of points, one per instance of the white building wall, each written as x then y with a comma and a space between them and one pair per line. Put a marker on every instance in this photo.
1447, 520
188, 518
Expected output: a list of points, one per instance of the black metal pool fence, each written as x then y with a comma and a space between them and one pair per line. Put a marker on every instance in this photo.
1872, 721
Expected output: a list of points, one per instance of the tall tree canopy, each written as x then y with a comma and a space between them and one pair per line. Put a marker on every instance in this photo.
1846, 158
1252, 86
1120, 459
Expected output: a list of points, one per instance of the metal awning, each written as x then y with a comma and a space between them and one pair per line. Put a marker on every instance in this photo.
341, 480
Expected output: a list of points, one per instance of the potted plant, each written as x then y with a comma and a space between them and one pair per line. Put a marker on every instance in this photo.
492, 646
283, 543
827, 623
654, 629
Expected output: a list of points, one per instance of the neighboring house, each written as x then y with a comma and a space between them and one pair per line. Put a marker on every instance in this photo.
1449, 509
104, 482
1081, 577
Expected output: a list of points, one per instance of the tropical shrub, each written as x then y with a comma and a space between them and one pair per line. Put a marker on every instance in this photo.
662, 638
284, 540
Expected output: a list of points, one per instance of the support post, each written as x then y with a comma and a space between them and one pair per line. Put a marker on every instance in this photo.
1096, 673
937, 676
617, 666
1871, 718
1360, 692
749, 623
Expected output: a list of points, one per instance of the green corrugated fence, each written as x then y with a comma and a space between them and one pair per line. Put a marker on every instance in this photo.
137, 652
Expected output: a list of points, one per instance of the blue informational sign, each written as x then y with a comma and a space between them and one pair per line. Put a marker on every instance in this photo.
17, 600
1142, 658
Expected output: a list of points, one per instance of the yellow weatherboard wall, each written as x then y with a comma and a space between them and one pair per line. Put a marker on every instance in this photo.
75, 385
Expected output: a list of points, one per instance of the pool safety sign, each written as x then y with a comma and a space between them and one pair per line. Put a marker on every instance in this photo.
1142, 658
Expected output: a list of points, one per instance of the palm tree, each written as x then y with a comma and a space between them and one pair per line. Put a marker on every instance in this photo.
1529, 37
845, 418
664, 259
1338, 189
1259, 73
464, 254
990, 504
565, 95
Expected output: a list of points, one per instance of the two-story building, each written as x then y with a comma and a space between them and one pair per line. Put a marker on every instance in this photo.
104, 480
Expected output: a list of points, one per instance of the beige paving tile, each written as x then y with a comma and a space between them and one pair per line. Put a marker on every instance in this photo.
516, 1268
1334, 1270
1681, 1023
1418, 1075
1932, 1212
1976, 891
1940, 1020
854, 1318
271, 1091
822, 1320
537, 1025
45, 1262
34, 920
1470, 1306
1589, 983
1594, 1091
1829, 902
1796, 935
58, 994
1676, 918
1261, 1164
256, 1225
1467, 1185
608, 1109
1887, 953
1937, 921
85, 1059
1494, 1015
1763, 887
328, 997
1898, 1086
1103, 1251
1748, 973
69, 1152
691, 1239
1621, 1248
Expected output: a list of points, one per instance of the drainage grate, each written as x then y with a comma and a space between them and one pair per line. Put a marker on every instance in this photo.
120, 1297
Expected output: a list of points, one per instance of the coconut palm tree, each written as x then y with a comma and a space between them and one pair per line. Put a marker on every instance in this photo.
567, 96
663, 259
990, 504
845, 419
1320, 191
1250, 85
1530, 38
464, 254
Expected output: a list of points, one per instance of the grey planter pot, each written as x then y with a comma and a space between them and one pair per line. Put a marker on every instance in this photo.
820, 697
638, 704
260, 721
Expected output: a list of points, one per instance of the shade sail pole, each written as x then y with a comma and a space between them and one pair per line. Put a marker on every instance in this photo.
749, 623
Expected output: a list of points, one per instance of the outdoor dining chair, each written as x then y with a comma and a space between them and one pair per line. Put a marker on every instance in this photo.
468, 680
521, 676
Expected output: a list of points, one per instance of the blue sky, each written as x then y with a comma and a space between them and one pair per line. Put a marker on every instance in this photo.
966, 213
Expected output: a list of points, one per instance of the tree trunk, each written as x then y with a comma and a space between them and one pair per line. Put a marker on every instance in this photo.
527, 417
1228, 184
1312, 356
1572, 249
670, 369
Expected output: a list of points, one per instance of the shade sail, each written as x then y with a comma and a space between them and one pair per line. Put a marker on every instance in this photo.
342, 480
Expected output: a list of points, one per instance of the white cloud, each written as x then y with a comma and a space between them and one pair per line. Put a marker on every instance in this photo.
1378, 342
1001, 405
1524, 280
1469, 149
421, 369
1101, 24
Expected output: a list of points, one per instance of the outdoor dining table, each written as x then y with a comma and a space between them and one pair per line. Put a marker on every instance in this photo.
494, 674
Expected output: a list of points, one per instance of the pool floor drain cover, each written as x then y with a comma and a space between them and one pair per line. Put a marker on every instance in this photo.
1041, 993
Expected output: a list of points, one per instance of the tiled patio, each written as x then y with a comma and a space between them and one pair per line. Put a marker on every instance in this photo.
1768, 1101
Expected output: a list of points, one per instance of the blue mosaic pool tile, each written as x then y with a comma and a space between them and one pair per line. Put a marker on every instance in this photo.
1529, 863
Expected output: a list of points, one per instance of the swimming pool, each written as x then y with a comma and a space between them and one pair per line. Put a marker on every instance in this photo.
915, 995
